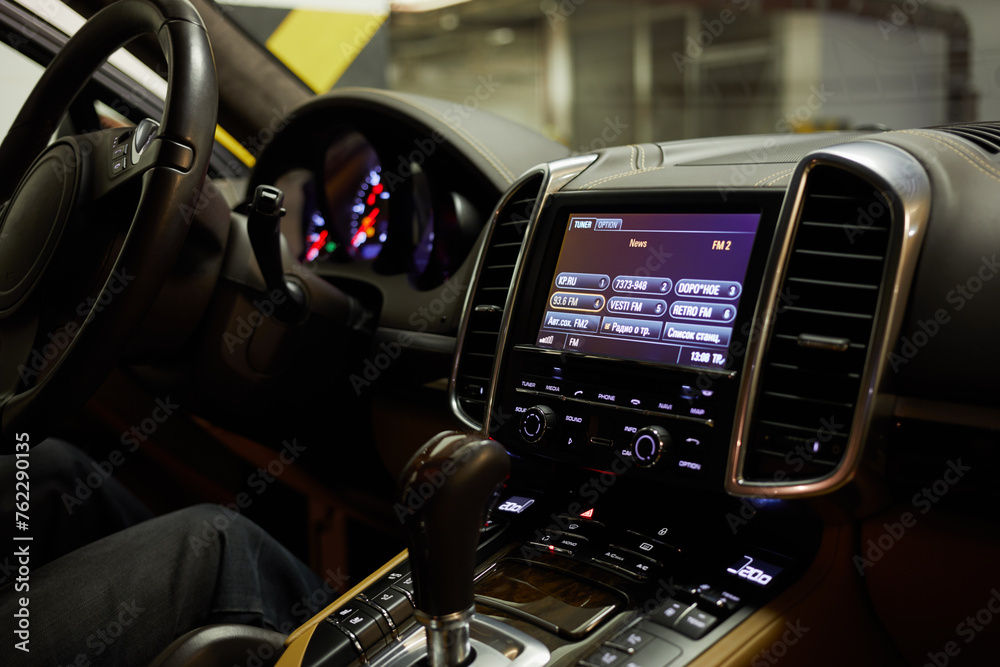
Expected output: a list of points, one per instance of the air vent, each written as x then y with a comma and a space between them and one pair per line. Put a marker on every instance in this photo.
812, 371
478, 346
984, 135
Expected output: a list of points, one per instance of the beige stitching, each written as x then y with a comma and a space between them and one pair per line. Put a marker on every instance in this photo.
627, 173
992, 173
771, 177
631, 158
963, 151
642, 159
780, 175
476, 145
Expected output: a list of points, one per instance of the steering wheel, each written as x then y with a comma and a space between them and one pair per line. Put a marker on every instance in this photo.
91, 225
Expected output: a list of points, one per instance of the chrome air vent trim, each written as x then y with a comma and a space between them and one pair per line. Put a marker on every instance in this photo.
558, 174
890, 170
554, 176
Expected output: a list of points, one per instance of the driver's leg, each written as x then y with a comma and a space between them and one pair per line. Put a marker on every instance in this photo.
73, 501
122, 599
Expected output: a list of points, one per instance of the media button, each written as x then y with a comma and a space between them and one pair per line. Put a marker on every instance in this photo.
551, 386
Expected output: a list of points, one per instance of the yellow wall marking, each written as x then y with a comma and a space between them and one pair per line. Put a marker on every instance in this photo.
229, 142
318, 46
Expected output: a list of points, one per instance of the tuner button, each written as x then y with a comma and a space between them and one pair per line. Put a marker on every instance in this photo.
536, 421
648, 445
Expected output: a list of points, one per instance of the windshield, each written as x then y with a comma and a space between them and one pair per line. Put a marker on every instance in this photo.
591, 73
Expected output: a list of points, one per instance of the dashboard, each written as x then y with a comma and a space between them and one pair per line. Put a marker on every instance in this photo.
668, 315
722, 332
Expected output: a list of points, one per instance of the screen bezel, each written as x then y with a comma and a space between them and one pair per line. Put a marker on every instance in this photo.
540, 260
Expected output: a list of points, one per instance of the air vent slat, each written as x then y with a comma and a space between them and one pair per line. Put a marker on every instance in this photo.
984, 135
831, 290
496, 272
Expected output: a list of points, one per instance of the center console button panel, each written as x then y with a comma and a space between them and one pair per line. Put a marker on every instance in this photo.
614, 415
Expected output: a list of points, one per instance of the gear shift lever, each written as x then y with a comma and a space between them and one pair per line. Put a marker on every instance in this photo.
444, 489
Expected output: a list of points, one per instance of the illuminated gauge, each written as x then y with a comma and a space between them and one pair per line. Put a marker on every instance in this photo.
369, 217
319, 243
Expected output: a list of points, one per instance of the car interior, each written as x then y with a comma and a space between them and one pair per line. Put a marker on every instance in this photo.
635, 395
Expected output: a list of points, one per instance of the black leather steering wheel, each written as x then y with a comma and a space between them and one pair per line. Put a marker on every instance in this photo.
92, 224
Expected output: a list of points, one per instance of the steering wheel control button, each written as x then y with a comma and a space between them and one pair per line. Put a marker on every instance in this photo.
144, 133
696, 623
648, 445
670, 613
536, 421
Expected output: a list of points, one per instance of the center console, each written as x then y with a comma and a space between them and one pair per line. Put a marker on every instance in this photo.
615, 390
628, 331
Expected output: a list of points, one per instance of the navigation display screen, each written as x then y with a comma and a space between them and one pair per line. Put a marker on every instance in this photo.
659, 287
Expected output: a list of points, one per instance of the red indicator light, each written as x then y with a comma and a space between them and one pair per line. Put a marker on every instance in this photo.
589, 514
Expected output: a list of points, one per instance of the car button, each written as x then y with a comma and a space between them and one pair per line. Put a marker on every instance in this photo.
632, 640
395, 603
657, 653
363, 625
696, 624
605, 657
668, 614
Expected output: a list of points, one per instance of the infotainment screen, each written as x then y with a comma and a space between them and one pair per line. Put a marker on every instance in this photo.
658, 287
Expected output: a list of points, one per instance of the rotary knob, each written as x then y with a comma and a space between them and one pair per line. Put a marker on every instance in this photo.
648, 445
536, 421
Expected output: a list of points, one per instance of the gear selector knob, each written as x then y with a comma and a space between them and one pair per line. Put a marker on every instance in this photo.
444, 489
